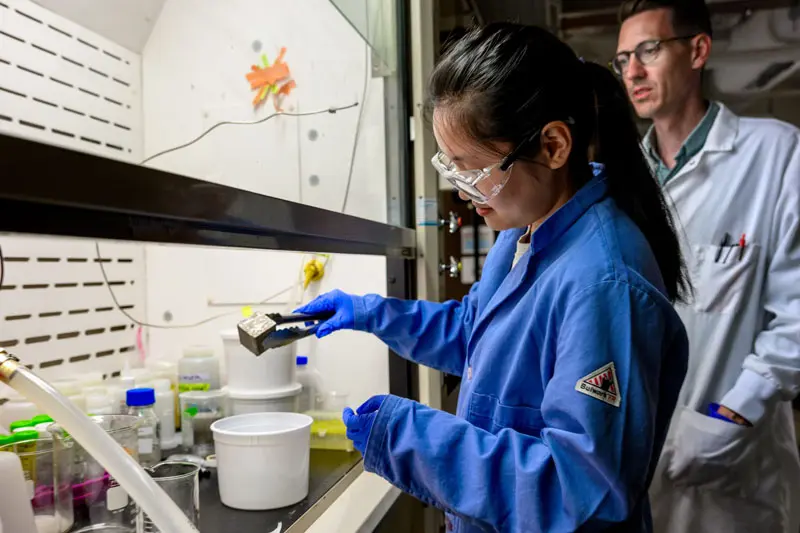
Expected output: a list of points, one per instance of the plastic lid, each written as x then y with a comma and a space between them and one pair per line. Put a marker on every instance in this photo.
94, 401
67, 387
302, 360
25, 435
41, 419
20, 424
141, 397
5, 440
198, 351
161, 385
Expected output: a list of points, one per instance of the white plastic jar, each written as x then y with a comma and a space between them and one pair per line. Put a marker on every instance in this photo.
16, 408
264, 374
198, 370
165, 411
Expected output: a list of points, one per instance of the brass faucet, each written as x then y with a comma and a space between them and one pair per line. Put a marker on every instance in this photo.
8, 366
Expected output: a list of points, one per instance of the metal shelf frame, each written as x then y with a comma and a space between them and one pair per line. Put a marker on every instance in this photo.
51, 190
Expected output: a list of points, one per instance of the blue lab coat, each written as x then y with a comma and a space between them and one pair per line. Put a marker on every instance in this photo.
548, 436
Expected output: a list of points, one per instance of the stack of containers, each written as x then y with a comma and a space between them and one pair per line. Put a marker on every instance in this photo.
260, 384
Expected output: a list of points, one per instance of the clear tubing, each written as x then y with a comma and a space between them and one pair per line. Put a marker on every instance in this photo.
164, 513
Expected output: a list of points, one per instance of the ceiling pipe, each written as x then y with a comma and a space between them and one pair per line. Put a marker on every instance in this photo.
608, 17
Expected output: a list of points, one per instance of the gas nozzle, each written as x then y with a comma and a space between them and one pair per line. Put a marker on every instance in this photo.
259, 332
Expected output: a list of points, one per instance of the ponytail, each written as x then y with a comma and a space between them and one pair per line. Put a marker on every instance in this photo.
507, 81
630, 182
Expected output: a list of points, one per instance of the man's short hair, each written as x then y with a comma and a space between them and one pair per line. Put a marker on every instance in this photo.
689, 17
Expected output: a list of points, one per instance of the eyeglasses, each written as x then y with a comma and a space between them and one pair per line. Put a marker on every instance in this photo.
646, 52
467, 181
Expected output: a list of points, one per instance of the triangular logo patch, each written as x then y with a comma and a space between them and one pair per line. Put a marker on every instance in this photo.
601, 384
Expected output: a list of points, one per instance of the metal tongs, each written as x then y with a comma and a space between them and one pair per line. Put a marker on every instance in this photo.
259, 332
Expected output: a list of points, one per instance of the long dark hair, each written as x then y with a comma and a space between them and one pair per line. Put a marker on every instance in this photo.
505, 81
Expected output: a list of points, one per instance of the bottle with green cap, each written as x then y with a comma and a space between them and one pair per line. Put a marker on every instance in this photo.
40, 422
25, 435
25, 448
5, 440
20, 425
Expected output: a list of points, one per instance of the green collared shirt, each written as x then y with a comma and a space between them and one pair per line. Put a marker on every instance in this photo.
691, 146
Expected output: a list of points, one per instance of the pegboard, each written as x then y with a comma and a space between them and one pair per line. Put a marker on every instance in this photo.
65, 85
56, 311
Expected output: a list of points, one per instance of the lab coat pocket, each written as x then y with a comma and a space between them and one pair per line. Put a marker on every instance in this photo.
713, 454
720, 280
491, 414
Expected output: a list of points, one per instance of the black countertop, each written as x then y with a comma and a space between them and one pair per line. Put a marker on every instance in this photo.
326, 470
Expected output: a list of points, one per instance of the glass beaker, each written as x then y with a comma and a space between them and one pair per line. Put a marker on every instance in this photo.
182, 482
47, 471
97, 498
335, 401
200, 409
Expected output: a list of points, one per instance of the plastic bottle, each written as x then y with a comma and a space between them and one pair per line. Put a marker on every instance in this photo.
15, 505
20, 425
198, 369
40, 423
162, 369
165, 410
17, 408
99, 403
141, 403
311, 380
125, 384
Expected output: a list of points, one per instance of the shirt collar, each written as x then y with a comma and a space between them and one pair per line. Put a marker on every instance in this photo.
552, 228
693, 143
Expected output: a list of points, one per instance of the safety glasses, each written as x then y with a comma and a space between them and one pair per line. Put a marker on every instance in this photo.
476, 183
645, 52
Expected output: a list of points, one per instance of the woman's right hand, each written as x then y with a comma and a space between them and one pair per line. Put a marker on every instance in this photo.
338, 302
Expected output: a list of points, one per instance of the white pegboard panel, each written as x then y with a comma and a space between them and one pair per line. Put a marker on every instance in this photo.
63, 84
56, 311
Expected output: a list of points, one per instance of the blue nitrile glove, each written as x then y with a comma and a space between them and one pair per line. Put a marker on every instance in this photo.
713, 412
339, 302
359, 425
598, 169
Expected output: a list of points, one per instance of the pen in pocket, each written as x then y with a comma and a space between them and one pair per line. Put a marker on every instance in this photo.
725, 241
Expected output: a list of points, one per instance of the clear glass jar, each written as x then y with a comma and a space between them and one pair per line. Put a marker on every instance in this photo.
141, 404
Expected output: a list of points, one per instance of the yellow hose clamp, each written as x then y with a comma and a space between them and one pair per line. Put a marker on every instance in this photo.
312, 271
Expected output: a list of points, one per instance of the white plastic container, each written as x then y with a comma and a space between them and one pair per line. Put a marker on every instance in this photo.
15, 505
198, 369
16, 408
277, 401
247, 373
162, 369
311, 380
165, 410
72, 390
99, 403
262, 459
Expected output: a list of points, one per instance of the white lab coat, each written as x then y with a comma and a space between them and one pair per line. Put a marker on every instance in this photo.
744, 334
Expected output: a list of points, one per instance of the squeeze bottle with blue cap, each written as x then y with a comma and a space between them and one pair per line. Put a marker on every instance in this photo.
141, 403
311, 380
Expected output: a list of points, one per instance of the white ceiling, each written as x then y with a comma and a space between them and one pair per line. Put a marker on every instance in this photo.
126, 22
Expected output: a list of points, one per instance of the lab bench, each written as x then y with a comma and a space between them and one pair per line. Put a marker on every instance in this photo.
330, 474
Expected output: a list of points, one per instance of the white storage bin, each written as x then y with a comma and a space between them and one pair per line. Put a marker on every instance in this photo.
274, 369
277, 401
262, 459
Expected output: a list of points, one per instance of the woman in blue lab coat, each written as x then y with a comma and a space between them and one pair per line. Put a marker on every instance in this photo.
570, 353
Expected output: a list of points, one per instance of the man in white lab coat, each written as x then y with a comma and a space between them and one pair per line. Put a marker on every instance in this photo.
730, 462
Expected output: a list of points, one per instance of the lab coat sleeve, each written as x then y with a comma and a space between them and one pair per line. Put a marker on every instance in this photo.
590, 461
430, 333
772, 372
